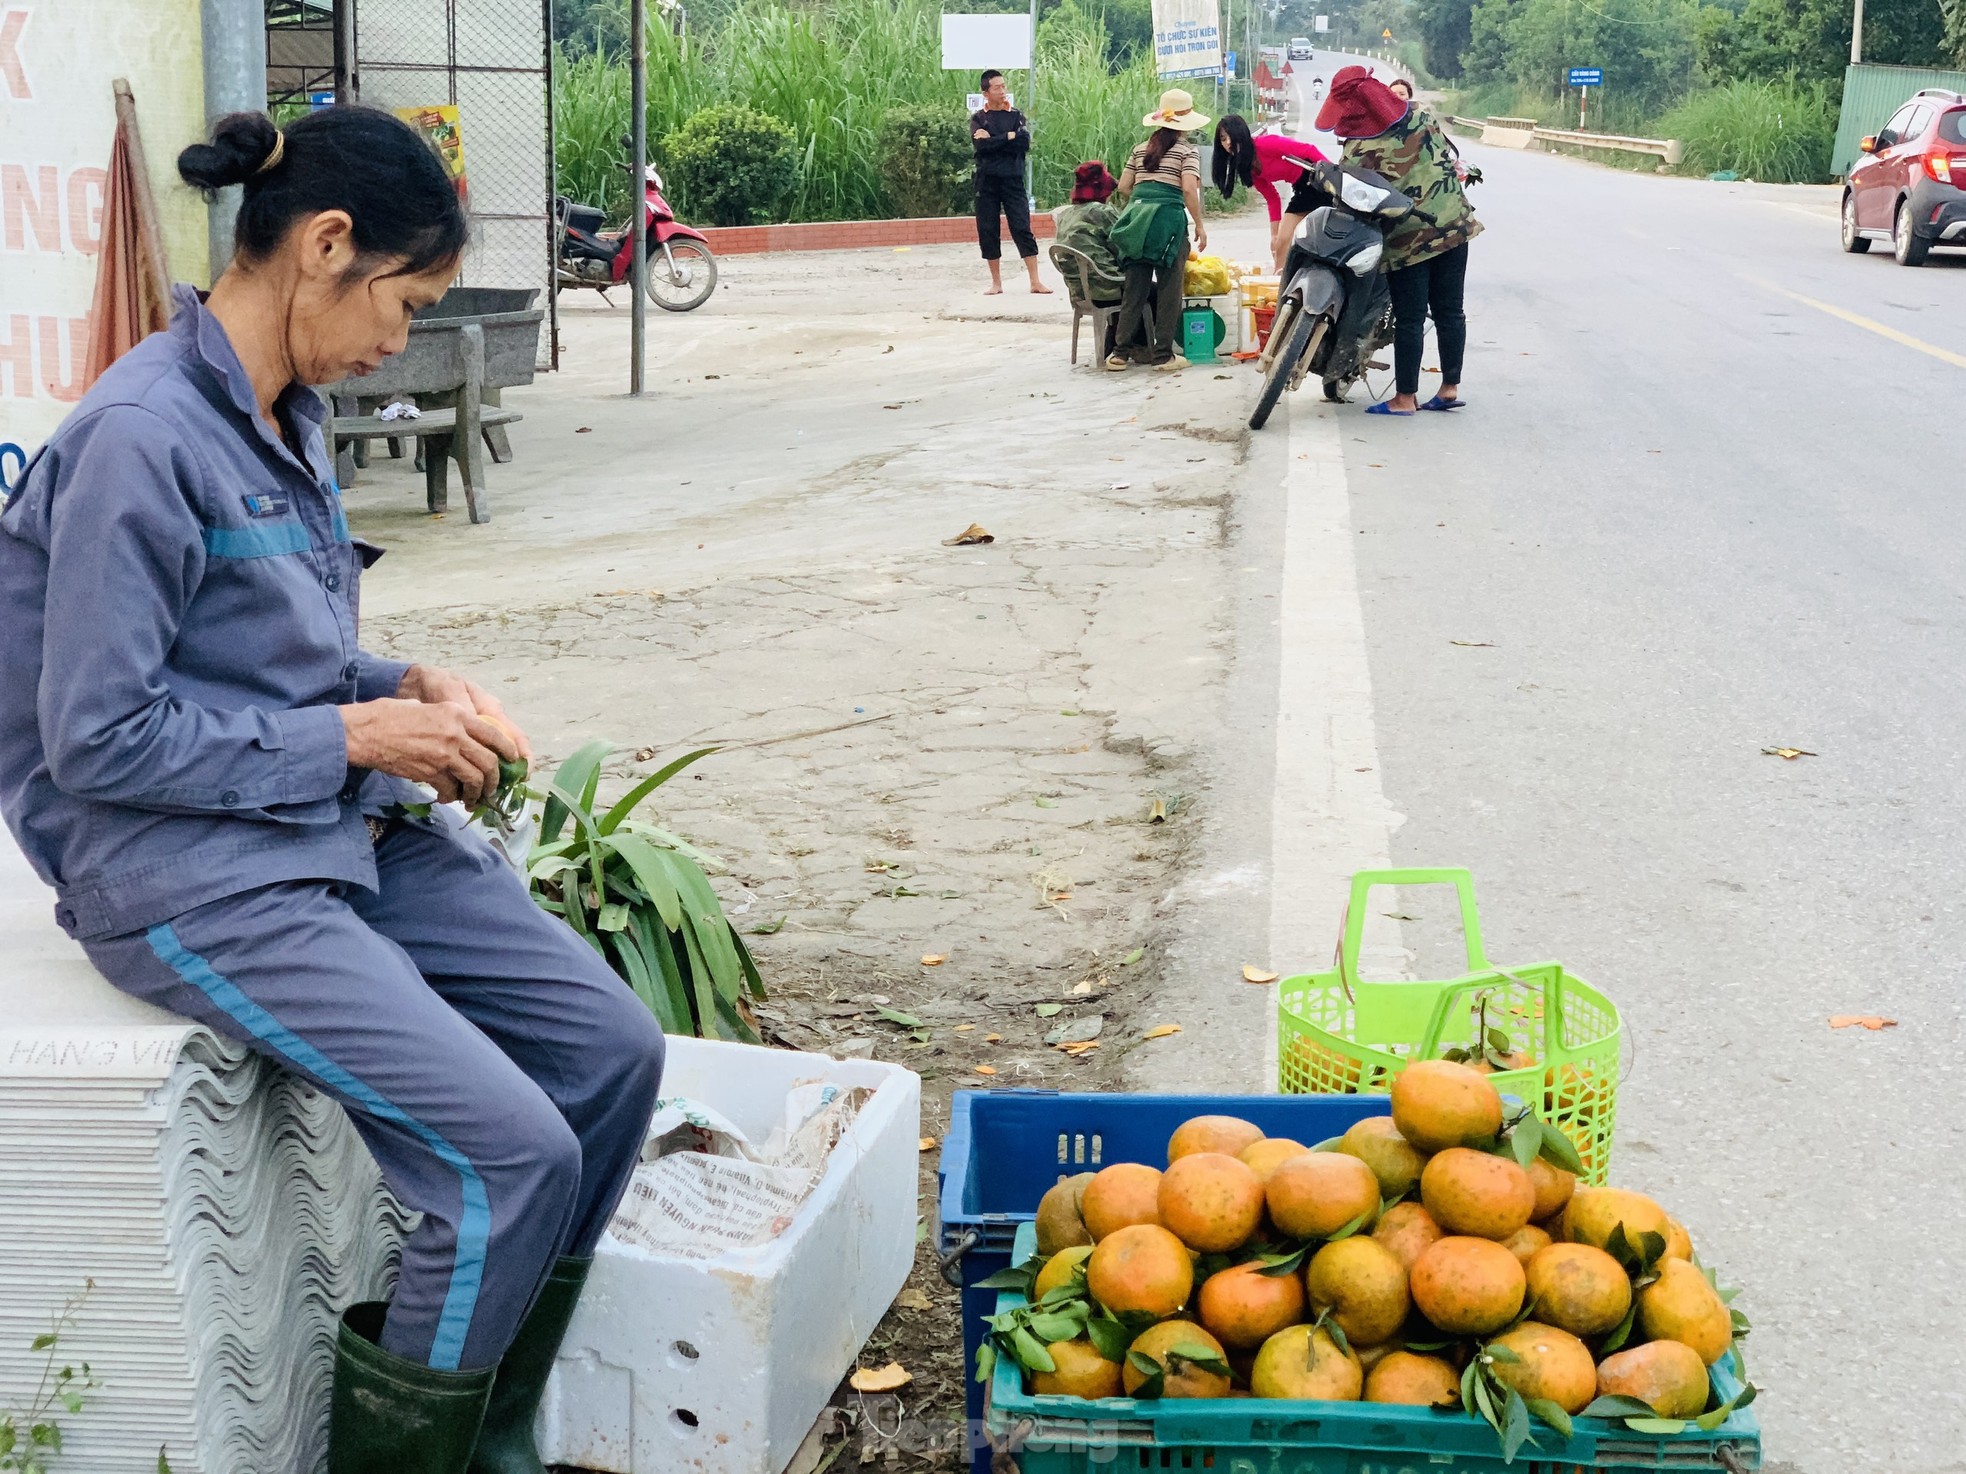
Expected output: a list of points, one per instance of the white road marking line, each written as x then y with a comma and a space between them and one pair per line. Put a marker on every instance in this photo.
1329, 816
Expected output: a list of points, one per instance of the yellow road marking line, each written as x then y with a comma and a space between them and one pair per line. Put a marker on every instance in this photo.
1857, 320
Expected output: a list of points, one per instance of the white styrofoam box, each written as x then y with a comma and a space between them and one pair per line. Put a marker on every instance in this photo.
720, 1366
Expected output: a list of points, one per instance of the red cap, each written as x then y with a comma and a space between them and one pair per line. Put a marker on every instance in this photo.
1359, 105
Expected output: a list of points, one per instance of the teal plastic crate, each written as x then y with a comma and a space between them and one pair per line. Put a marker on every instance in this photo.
1070, 1435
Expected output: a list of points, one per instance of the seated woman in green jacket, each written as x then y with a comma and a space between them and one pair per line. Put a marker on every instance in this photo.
1085, 225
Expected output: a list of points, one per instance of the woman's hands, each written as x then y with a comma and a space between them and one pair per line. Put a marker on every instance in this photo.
439, 729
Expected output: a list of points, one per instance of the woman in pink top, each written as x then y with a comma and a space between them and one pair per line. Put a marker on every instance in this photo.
1263, 161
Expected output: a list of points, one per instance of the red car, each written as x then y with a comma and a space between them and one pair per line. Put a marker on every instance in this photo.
1910, 187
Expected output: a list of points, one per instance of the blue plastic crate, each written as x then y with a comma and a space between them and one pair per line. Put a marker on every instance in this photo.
1005, 1148
1070, 1435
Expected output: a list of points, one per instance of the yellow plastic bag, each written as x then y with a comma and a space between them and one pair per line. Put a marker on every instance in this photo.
1206, 276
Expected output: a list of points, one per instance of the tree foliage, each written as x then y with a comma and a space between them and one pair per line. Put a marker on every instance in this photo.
737, 164
1809, 40
1645, 47
1445, 27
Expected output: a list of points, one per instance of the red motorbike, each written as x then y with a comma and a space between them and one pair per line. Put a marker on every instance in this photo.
682, 272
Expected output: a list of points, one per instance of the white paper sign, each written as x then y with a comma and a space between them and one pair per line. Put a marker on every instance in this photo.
1188, 38
972, 42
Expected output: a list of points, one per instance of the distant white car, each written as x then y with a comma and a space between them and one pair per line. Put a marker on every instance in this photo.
1300, 48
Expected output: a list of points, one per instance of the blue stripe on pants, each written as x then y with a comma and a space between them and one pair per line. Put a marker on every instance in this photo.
474, 1225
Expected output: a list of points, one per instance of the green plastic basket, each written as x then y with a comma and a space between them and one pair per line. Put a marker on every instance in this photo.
1338, 1034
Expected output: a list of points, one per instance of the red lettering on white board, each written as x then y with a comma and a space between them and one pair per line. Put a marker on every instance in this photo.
64, 383
25, 206
17, 355
13, 70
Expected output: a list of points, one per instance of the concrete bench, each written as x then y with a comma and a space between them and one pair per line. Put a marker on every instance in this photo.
439, 442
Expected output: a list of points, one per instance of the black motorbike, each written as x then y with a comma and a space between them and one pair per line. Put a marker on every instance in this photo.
1334, 310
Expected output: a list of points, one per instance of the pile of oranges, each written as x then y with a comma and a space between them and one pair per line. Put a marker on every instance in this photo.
1425, 1258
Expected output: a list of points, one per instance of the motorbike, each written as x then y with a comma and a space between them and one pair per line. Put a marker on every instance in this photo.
682, 271
1334, 309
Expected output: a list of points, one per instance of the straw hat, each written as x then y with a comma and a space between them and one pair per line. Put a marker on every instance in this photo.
1176, 111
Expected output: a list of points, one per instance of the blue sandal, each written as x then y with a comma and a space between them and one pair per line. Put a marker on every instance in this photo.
1443, 405
1385, 407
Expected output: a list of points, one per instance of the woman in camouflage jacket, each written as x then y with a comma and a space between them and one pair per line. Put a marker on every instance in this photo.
1427, 252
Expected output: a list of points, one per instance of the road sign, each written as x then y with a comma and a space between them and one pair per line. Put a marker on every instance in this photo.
1322, 23
1587, 76
1386, 35
1187, 38
1229, 65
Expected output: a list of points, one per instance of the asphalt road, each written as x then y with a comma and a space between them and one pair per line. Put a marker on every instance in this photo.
1702, 502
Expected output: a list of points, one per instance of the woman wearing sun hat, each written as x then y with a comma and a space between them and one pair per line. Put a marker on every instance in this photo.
1162, 183
1427, 252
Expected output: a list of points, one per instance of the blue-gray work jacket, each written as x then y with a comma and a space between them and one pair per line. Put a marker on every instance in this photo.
178, 595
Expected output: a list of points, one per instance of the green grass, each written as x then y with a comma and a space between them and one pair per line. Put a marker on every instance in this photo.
1776, 132
831, 71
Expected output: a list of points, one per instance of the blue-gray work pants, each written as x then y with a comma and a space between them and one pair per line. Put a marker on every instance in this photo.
500, 1073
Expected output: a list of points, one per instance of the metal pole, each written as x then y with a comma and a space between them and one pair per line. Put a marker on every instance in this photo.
1857, 35
1030, 116
638, 266
234, 34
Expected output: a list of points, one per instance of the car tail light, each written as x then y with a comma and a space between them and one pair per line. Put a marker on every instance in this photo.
1946, 168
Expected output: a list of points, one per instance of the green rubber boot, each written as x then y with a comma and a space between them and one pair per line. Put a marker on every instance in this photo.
392, 1416
505, 1443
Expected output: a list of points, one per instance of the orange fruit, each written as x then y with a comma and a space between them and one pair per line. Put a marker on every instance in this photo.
1438, 1104
1121, 1195
1679, 1243
1553, 1189
1467, 1286
1225, 1134
1526, 1242
1265, 1156
1413, 1380
1315, 1195
1363, 1286
1162, 1344
1578, 1289
1595, 1211
1302, 1362
1141, 1268
1243, 1307
1549, 1363
1475, 1193
1376, 1142
1211, 1202
1079, 1371
1681, 1306
1061, 1221
1409, 1230
1057, 1271
1668, 1376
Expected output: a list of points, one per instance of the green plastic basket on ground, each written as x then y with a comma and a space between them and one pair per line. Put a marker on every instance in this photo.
1338, 1034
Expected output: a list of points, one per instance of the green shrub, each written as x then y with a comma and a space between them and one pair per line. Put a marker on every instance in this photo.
1777, 132
735, 165
925, 159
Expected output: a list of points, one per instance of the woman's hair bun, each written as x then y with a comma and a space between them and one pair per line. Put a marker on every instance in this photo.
241, 144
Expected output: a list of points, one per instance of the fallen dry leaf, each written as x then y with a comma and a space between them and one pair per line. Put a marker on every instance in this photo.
928, 1143
1257, 974
912, 1298
993, 1038
1161, 1031
970, 536
1862, 1021
964, 1028
1158, 813
934, 959
1081, 988
1474, 644
1788, 754
986, 1069
890, 1378
585, 430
